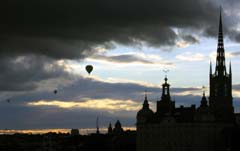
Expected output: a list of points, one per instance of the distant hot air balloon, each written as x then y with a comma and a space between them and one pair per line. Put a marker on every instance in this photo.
55, 91
8, 100
89, 68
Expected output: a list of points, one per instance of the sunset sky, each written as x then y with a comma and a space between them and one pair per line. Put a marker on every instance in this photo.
46, 44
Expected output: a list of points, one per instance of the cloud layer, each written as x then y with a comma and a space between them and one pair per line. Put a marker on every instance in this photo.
78, 104
21, 73
73, 29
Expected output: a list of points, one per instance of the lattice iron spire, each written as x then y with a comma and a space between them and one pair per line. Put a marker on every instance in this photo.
220, 31
220, 62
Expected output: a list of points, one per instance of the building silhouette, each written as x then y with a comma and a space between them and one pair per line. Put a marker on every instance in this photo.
110, 130
75, 132
220, 100
117, 130
97, 127
192, 128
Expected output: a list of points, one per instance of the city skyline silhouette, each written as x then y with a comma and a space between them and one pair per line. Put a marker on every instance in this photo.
44, 54
119, 75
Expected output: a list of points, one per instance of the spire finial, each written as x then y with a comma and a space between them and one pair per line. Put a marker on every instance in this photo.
165, 79
165, 71
220, 18
145, 94
210, 67
145, 103
203, 89
230, 68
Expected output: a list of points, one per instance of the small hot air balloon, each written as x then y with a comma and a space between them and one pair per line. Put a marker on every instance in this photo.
55, 91
89, 68
8, 100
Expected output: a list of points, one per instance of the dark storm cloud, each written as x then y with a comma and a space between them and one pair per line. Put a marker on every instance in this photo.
122, 59
21, 73
72, 29
126, 58
51, 47
190, 39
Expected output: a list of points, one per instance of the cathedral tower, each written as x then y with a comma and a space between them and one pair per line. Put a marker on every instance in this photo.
220, 99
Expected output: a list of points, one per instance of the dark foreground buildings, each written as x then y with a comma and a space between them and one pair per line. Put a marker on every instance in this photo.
115, 140
210, 127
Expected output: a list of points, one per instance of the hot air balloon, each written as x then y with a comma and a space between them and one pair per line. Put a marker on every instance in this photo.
89, 68
55, 91
8, 100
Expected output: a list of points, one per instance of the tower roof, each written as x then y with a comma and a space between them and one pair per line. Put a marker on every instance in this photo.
220, 31
220, 60
145, 103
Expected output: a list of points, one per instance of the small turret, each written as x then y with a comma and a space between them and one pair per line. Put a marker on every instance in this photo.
110, 130
145, 113
204, 101
204, 113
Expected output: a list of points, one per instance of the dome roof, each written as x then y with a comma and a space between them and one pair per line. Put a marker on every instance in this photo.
118, 124
145, 111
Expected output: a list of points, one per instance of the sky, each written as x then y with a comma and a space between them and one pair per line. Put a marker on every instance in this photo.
45, 46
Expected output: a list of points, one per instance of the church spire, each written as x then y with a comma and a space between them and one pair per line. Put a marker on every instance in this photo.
220, 31
220, 61
97, 126
220, 99
145, 94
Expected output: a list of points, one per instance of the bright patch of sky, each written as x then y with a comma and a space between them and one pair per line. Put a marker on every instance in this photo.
188, 65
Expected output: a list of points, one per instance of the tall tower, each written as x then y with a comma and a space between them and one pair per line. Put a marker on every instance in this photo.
165, 105
220, 99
